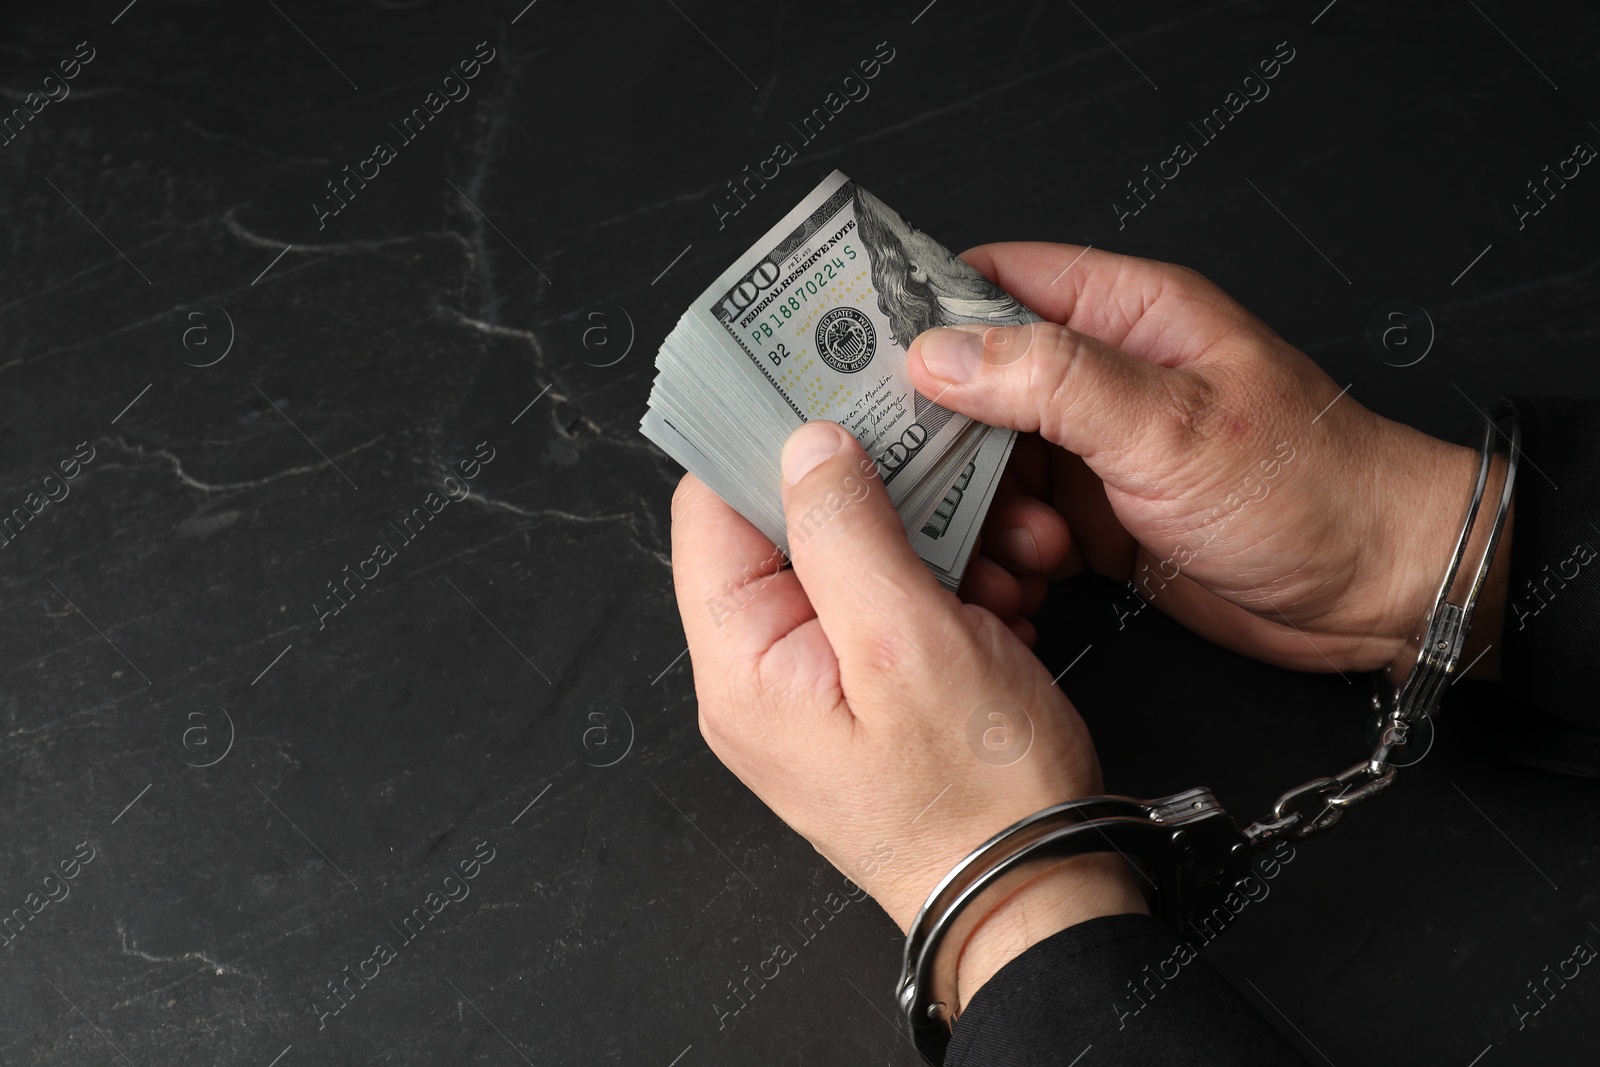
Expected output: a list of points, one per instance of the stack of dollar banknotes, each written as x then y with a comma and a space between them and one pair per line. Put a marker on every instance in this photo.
813, 322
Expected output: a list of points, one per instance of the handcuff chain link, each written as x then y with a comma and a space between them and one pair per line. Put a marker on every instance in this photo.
1293, 817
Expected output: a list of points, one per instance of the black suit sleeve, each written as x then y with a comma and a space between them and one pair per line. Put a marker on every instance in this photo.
1124, 984
1552, 625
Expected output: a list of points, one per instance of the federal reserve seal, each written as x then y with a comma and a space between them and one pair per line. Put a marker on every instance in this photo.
846, 340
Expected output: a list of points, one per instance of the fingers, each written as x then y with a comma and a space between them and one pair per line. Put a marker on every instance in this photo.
735, 599
873, 595
1074, 389
1099, 540
1035, 591
1006, 595
989, 585
1029, 466
1149, 309
1025, 535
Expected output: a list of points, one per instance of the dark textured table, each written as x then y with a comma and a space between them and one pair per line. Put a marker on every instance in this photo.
273, 794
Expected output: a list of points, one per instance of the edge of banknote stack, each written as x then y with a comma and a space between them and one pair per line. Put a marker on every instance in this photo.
813, 322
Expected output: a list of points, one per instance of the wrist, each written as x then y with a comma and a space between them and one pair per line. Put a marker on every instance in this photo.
1080, 889
1481, 656
1430, 515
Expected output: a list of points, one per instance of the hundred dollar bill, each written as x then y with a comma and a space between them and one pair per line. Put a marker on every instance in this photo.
948, 536
813, 322
825, 306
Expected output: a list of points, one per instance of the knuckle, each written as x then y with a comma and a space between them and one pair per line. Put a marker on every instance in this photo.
710, 731
711, 713
1187, 407
906, 651
1184, 282
725, 735
721, 725
1188, 286
985, 626
885, 653
919, 645
1188, 278
1052, 372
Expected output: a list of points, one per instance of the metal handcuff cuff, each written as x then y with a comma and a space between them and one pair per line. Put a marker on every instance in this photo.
1189, 848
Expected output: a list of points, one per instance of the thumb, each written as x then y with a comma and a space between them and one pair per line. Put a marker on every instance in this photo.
1073, 389
871, 592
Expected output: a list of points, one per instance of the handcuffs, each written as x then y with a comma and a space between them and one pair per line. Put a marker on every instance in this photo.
1192, 853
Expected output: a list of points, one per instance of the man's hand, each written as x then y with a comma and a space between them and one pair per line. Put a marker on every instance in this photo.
1201, 457
891, 725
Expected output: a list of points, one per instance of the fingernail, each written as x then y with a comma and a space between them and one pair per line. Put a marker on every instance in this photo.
1020, 545
953, 355
807, 447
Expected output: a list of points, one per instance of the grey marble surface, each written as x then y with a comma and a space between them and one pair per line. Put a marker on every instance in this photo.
253, 790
